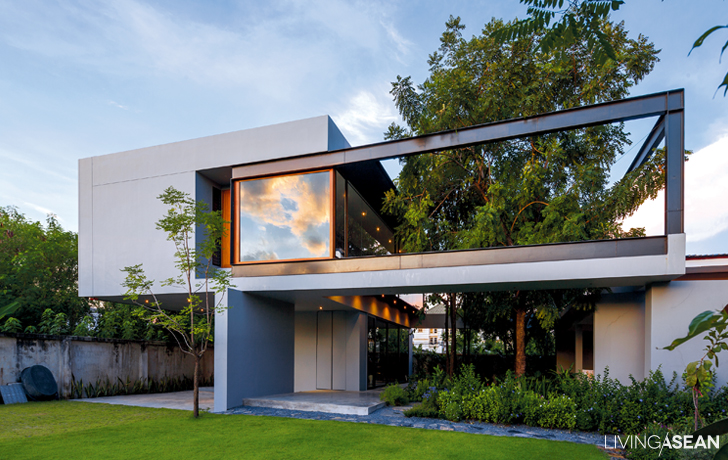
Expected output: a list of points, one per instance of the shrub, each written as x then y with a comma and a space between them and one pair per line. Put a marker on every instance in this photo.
558, 411
12, 325
451, 410
420, 410
637, 452
394, 395
564, 400
85, 327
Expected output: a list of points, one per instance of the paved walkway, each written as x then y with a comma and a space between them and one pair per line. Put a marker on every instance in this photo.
393, 416
178, 400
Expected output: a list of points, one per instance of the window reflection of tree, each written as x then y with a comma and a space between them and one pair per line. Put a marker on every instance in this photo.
361, 243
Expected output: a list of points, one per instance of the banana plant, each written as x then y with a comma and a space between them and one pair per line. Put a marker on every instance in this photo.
9, 309
716, 429
715, 325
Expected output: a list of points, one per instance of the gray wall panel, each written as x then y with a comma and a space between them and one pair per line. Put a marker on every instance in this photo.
356, 352
259, 357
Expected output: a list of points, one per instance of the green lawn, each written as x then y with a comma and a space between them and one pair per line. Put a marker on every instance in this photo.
71, 429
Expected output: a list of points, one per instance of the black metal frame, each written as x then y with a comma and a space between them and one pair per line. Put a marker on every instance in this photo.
668, 106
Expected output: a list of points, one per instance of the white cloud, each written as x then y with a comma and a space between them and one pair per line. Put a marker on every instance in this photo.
116, 104
366, 117
403, 45
706, 189
39, 208
275, 54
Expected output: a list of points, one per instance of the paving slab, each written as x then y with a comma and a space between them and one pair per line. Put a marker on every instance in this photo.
324, 401
181, 400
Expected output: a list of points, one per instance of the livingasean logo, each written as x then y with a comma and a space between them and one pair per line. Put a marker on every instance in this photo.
655, 442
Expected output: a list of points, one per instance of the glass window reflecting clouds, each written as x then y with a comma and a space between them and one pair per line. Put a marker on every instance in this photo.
285, 217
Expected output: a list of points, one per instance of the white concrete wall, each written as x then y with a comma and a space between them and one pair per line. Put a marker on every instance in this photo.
124, 232
619, 336
669, 308
118, 205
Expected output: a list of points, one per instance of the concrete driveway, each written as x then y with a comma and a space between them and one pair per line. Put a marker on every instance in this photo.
181, 400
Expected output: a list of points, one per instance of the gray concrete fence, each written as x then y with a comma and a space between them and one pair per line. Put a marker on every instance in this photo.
90, 359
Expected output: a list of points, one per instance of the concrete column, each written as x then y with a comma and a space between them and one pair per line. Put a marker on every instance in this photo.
254, 343
579, 349
649, 306
620, 336
410, 363
356, 352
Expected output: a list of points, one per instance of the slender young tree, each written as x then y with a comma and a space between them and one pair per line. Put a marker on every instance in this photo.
192, 325
540, 189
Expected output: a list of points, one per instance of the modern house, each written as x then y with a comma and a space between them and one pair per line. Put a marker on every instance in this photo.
316, 270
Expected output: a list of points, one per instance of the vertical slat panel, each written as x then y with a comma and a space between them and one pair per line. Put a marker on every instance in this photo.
323, 350
338, 368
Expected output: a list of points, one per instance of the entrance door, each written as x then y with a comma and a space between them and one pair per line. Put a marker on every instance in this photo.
331, 350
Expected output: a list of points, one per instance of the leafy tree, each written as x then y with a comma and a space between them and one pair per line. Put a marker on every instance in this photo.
128, 322
541, 189
192, 326
38, 268
580, 22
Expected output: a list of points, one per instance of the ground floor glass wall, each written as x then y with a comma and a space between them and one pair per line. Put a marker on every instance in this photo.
387, 353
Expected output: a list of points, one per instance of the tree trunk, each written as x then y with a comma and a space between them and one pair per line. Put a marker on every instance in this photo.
446, 339
453, 334
196, 388
696, 405
520, 340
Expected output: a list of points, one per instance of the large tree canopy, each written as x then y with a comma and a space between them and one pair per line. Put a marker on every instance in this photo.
38, 268
545, 189
579, 21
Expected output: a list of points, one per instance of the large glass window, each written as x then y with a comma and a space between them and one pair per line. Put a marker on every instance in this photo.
367, 233
285, 217
387, 353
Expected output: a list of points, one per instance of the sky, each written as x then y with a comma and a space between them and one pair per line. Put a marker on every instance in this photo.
90, 77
